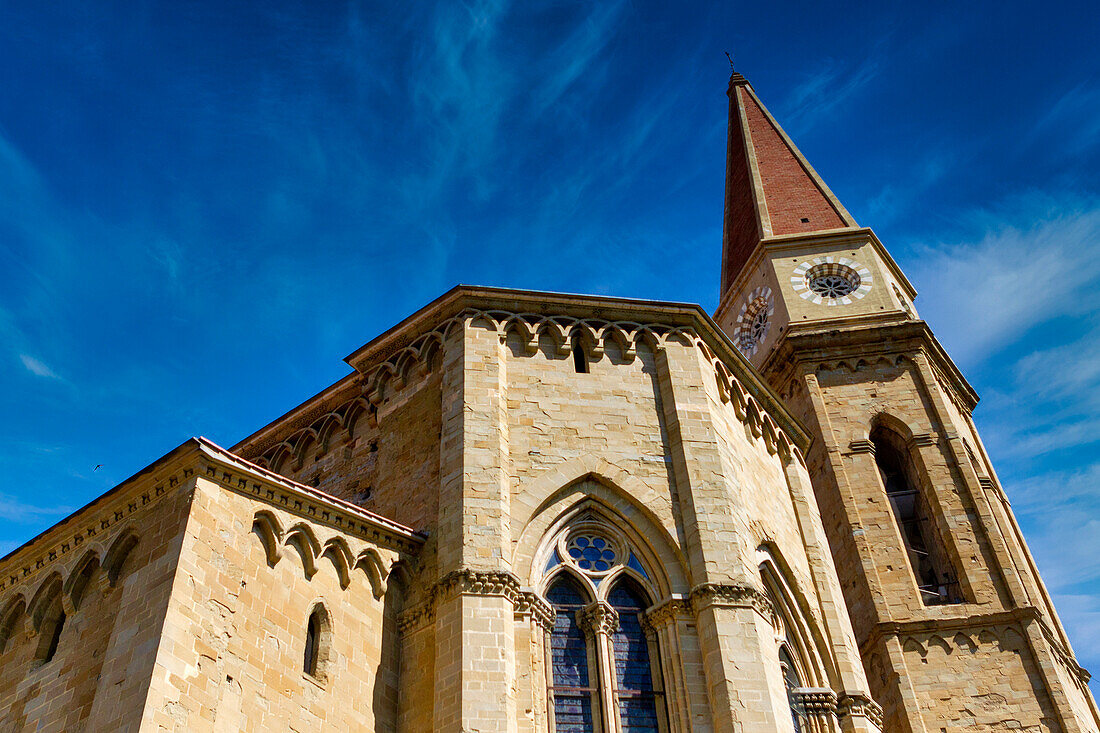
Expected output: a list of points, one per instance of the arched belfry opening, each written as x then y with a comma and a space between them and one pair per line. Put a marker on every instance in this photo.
935, 575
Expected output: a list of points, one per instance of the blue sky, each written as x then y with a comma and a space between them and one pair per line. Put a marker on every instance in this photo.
205, 206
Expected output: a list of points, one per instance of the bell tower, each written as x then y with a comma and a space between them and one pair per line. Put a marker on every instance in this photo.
956, 629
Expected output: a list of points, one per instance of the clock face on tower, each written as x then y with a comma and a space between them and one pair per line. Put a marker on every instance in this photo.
831, 280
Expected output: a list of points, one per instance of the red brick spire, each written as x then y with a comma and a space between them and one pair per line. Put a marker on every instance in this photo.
771, 190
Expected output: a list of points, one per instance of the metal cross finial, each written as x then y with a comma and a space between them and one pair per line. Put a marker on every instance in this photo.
731, 61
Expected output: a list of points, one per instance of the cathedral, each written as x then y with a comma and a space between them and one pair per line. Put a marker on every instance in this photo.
532, 512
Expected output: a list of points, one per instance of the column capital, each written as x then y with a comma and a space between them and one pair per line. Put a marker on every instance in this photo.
858, 704
597, 618
730, 596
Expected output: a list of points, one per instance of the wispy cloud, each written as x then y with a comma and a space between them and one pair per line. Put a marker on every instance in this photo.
833, 83
985, 293
1074, 120
37, 367
15, 510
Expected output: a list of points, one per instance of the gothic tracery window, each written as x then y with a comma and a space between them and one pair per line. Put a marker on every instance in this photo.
603, 672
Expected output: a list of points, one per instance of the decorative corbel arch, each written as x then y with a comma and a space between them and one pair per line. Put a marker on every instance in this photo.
306, 438
266, 527
339, 554
10, 619
115, 559
371, 563
301, 538
49, 592
614, 333
81, 575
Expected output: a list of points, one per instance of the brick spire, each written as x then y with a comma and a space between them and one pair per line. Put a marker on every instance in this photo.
771, 189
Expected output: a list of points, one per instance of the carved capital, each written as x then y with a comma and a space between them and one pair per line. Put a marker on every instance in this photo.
665, 613
860, 705
814, 702
598, 617
530, 604
730, 596
478, 583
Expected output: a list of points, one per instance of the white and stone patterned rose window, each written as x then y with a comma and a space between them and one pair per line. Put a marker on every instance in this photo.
754, 321
831, 280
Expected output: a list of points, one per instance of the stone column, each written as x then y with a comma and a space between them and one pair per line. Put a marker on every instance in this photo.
663, 621
747, 693
475, 593
598, 621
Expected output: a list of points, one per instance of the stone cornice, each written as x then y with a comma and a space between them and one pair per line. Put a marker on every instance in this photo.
415, 340
197, 457
466, 581
237, 474
818, 344
970, 622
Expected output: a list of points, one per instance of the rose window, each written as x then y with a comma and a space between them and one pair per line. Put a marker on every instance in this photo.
753, 321
832, 280
592, 553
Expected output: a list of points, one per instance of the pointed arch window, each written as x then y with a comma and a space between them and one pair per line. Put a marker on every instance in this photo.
603, 673
318, 644
792, 682
935, 576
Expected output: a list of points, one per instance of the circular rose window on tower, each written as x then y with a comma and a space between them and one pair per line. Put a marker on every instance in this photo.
831, 281
753, 321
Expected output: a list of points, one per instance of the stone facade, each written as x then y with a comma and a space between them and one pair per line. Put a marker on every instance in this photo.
537, 512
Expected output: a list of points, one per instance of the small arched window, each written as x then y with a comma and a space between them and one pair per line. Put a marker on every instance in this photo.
318, 643
935, 576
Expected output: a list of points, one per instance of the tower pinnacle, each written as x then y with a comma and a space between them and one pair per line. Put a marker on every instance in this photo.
771, 190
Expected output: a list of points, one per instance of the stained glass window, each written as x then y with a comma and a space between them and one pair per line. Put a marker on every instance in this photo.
634, 689
792, 683
592, 553
572, 691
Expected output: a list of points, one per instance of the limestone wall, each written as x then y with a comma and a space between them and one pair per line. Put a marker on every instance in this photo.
114, 586
232, 654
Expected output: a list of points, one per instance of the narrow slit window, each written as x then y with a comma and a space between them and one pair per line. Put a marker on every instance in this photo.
314, 640
580, 359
